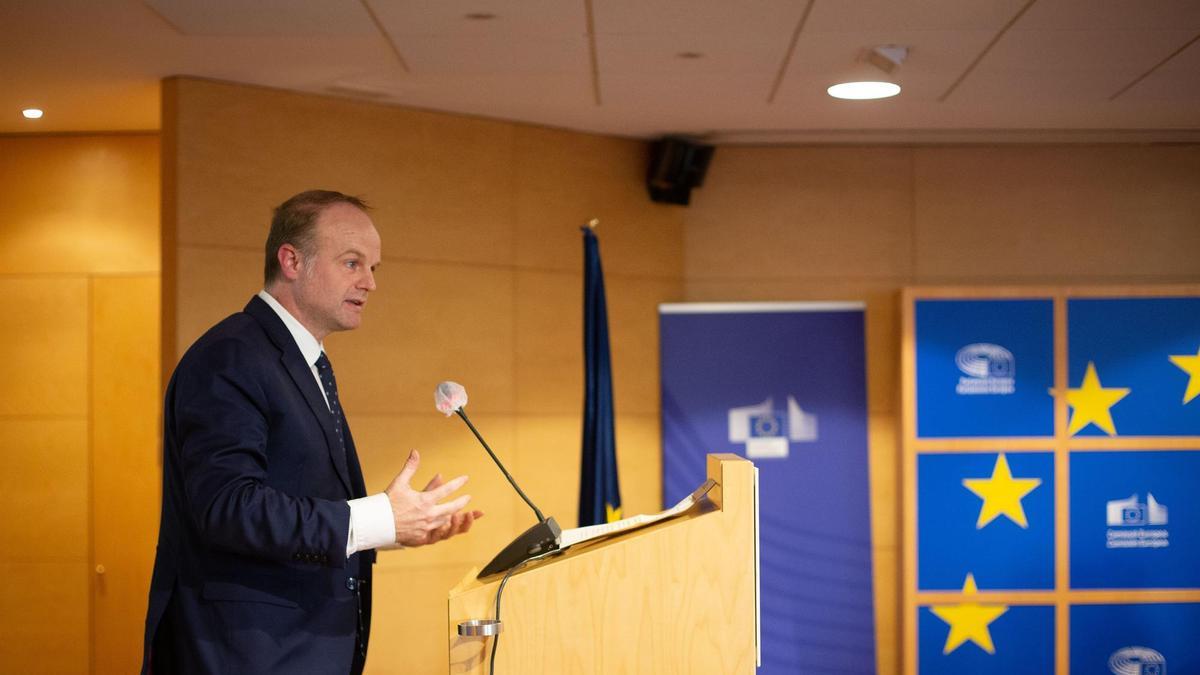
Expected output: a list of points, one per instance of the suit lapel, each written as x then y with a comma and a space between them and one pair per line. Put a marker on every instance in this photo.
302, 377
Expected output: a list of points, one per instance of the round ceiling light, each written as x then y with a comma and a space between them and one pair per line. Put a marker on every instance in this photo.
32, 113
860, 91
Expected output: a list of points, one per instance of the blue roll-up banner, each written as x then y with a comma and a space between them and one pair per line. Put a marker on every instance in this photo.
783, 384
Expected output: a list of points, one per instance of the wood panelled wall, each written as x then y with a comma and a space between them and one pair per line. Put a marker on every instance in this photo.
79, 483
859, 223
481, 282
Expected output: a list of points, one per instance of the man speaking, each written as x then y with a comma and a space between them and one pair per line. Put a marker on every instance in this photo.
267, 534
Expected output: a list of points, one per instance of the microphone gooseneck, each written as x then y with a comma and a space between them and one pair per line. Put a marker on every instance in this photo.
463, 414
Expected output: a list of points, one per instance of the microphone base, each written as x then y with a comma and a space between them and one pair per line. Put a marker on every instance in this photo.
541, 538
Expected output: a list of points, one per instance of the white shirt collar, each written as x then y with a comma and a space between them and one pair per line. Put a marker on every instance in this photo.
310, 347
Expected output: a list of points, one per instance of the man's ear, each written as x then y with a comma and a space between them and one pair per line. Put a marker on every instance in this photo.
290, 261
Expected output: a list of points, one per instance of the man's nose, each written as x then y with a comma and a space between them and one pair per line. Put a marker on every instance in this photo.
368, 281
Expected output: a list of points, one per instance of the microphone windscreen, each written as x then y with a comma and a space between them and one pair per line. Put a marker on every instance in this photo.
449, 397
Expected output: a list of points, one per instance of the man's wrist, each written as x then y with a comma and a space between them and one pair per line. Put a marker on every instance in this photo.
372, 524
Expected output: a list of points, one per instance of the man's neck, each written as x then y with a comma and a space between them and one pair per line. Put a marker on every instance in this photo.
283, 296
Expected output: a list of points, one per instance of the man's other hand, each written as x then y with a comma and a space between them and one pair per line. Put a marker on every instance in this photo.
420, 517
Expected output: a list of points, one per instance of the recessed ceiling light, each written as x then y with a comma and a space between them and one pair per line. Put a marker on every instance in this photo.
860, 91
690, 55
32, 113
479, 16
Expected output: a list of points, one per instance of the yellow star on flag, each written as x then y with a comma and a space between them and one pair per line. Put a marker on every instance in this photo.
1092, 402
1191, 366
1001, 494
969, 620
611, 514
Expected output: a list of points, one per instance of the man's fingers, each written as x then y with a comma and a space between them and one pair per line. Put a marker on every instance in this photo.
441, 533
451, 507
433, 482
410, 468
468, 519
464, 523
442, 491
454, 524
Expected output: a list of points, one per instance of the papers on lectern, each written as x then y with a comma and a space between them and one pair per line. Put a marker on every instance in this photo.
579, 535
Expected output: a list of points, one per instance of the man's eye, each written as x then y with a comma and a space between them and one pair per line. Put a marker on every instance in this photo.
351, 264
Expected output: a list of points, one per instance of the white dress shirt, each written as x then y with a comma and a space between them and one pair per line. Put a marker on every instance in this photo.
371, 522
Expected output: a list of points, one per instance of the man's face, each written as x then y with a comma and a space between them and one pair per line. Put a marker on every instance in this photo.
334, 281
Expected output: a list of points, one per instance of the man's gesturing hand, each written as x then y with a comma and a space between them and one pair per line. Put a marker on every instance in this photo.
420, 518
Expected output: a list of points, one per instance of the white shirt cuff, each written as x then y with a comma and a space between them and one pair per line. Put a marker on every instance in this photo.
371, 524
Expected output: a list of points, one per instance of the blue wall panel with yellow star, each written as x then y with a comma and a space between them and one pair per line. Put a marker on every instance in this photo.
1135, 519
987, 514
1136, 365
1052, 480
985, 639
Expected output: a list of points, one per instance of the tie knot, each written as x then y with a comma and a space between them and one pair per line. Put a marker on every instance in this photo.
323, 362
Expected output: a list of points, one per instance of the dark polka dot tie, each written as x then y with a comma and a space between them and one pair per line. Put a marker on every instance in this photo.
329, 384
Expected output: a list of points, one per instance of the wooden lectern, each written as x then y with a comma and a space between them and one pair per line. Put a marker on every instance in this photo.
678, 596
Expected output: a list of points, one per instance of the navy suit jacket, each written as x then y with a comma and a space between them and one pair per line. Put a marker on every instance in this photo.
252, 542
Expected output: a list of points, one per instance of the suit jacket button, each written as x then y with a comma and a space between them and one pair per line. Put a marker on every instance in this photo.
351, 583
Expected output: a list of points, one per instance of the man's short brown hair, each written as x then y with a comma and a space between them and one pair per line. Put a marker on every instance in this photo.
295, 223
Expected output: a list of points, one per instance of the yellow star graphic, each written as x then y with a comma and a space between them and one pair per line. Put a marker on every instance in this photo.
969, 620
1092, 402
611, 514
1001, 494
1191, 366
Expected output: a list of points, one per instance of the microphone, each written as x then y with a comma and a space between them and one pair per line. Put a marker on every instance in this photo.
451, 398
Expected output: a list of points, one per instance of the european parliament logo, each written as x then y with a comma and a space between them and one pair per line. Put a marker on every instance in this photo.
1137, 661
984, 368
987, 369
1135, 638
768, 433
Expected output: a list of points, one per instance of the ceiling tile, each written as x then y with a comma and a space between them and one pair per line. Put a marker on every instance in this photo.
264, 17
450, 55
1080, 66
1177, 80
909, 15
646, 56
767, 21
1112, 15
545, 18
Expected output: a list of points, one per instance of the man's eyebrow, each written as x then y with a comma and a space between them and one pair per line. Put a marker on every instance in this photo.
360, 254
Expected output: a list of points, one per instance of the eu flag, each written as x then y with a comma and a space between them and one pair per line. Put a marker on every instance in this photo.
599, 492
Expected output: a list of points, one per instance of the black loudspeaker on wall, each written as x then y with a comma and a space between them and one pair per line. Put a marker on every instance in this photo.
676, 166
